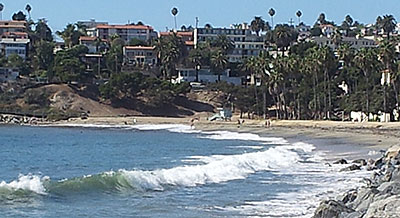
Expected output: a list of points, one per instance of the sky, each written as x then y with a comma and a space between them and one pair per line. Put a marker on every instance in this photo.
219, 13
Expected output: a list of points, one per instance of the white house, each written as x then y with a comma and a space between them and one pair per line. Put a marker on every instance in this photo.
205, 76
140, 55
17, 46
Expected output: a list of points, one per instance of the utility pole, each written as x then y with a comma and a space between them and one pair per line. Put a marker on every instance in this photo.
291, 22
197, 22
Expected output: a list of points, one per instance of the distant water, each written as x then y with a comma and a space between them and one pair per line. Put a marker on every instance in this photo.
160, 171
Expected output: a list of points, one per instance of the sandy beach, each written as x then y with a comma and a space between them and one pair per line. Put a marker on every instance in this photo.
378, 136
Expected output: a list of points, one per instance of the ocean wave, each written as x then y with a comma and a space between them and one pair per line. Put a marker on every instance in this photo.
227, 135
215, 169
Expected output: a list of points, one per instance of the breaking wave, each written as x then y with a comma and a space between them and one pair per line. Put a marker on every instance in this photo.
214, 169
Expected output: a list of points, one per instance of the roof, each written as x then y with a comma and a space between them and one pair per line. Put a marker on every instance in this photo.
102, 26
189, 43
90, 38
139, 47
186, 33
16, 41
12, 26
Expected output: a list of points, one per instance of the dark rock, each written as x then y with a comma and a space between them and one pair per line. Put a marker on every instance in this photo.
362, 162
351, 168
349, 196
331, 209
387, 207
341, 161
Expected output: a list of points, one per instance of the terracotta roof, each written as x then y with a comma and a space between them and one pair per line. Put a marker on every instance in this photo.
189, 42
102, 26
89, 38
139, 47
12, 26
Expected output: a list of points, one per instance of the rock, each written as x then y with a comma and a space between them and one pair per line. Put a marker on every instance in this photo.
349, 196
364, 197
362, 162
388, 207
392, 152
355, 214
351, 168
341, 161
331, 209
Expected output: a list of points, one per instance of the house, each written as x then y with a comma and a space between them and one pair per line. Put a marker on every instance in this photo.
92, 44
186, 36
8, 74
354, 42
246, 43
17, 46
205, 76
140, 55
126, 32
91, 26
327, 29
12, 26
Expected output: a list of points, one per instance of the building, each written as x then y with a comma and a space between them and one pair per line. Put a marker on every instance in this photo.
140, 55
205, 76
126, 32
91, 26
12, 26
17, 46
92, 44
327, 29
186, 36
7, 74
304, 32
246, 43
354, 42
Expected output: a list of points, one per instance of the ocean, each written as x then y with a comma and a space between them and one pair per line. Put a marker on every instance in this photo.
162, 171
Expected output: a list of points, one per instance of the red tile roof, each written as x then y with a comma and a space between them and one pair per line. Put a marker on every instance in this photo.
102, 26
178, 33
18, 34
89, 38
189, 43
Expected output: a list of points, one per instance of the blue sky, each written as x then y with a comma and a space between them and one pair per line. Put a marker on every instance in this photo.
216, 12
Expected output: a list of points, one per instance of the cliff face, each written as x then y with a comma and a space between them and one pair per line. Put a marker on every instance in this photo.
380, 198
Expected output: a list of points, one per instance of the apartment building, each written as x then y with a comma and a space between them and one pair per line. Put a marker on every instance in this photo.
9, 46
354, 42
246, 43
126, 32
12, 26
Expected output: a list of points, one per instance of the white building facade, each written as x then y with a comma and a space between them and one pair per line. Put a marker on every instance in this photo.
9, 46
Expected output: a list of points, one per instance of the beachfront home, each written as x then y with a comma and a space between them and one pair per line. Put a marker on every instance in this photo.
17, 46
246, 42
126, 32
205, 76
140, 55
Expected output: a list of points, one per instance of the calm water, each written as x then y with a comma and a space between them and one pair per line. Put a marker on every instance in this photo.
160, 171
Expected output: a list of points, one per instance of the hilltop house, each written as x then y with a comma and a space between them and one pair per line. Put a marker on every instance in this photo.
354, 42
17, 46
186, 36
91, 43
139, 55
126, 32
246, 43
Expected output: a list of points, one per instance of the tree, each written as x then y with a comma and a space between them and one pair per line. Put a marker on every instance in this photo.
387, 23
271, 13
28, 8
224, 43
219, 62
68, 66
43, 31
20, 16
44, 57
348, 20
70, 35
298, 14
169, 50
321, 18
257, 25
283, 36
387, 55
174, 12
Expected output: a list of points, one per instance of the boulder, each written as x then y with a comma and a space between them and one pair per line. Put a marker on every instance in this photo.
392, 152
387, 207
351, 168
362, 162
341, 161
331, 209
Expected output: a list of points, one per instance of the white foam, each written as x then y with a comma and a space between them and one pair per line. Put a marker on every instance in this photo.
26, 182
218, 169
227, 135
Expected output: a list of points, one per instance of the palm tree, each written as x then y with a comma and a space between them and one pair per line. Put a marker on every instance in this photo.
271, 13
387, 55
169, 50
257, 25
1, 10
322, 18
174, 12
348, 20
224, 42
67, 34
387, 23
366, 62
219, 61
28, 8
298, 14
283, 36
